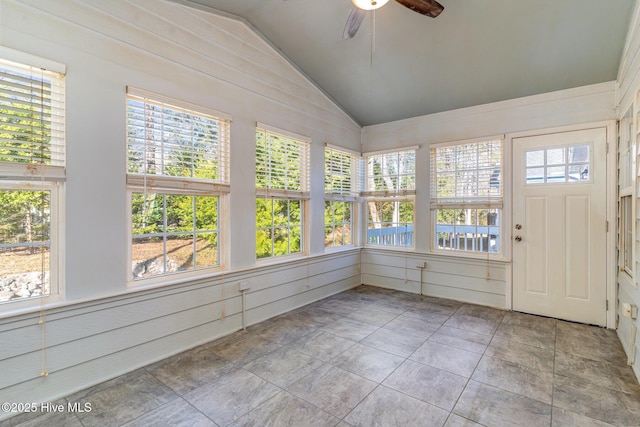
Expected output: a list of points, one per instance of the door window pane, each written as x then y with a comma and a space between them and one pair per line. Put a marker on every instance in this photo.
568, 164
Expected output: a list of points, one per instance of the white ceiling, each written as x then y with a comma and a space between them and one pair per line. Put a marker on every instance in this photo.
475, 52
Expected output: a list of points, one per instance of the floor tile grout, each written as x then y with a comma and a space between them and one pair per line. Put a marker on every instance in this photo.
373, 361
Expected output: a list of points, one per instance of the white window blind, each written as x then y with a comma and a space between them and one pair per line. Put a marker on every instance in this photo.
467, 175
282, 165
172, 145
32, 140
390, 173
341, 174
32, 148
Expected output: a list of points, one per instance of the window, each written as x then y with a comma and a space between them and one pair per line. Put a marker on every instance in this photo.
32, 173
178, 176
282, 187
558, 165
626, 234
341, 191
467, 196
390, 193
626, 213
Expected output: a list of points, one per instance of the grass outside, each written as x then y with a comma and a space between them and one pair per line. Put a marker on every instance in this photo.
22, 260
179, 251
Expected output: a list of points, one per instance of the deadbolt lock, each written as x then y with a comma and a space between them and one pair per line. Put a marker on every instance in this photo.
518, 226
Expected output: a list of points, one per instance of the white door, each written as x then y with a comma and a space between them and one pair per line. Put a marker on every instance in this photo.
559, 225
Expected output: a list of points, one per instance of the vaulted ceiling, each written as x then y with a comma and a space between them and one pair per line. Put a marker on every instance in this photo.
475, 52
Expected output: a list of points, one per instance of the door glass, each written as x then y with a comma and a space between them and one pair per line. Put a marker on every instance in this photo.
535, 158
569, 164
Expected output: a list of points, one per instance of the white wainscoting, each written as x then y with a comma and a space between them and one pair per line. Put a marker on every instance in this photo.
94, 341
476, 281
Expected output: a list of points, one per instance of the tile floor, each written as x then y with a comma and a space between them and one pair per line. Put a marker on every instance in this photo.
375, 357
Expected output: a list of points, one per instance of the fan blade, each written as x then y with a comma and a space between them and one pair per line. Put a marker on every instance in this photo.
353, 23
426, 7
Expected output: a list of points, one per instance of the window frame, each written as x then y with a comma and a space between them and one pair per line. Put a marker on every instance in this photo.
283, 192
489, 202
626, 235
190, 186
341, 194
40, 173
404, 194
56, 232
626, 165
566, 164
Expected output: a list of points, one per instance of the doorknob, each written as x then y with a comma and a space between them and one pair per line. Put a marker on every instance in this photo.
518, 226
518, 238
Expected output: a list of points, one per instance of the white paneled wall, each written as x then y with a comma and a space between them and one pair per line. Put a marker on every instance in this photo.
628, 94
90, 342
472, 280
104, 328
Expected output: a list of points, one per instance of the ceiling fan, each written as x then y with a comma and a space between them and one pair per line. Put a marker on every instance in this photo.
426, 7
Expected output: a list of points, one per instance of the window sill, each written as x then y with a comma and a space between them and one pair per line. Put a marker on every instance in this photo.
411, 249
343, 248
469, 255
174, 278
29, 306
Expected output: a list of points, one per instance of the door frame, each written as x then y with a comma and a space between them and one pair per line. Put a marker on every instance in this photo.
611, 208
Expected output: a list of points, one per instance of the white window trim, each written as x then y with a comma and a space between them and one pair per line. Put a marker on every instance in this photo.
303, 232
188, 186
181, 276
627, 139
36, 177
353, 206
399, 196
305, 167
352, 196
22, 58
356, 175
490, 203
303, 195
56, 245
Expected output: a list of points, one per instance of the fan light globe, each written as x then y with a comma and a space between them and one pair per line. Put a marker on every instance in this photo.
369, 4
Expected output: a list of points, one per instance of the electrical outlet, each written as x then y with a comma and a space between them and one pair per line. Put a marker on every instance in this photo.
629, 310
244, 285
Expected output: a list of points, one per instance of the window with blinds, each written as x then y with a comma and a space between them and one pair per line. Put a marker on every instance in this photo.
282, 186
626, 184
341, 173
32, 171
390, 190
341, 185
177, 169
174, 142
391, 173
282, 164
467, 195
31, 122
